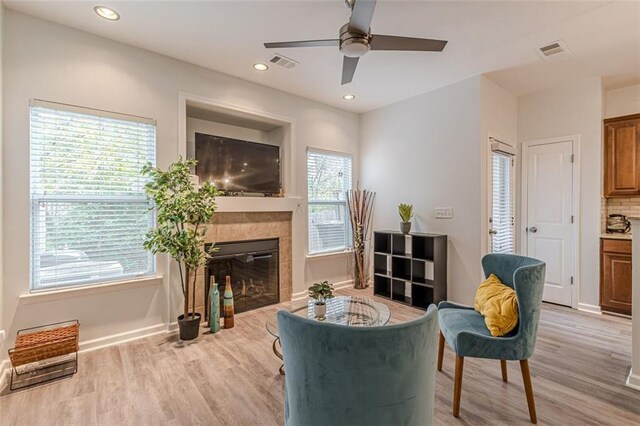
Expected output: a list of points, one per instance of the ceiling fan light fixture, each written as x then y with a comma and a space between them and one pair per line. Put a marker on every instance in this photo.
355, 47
349, 97
260, 67
107, 13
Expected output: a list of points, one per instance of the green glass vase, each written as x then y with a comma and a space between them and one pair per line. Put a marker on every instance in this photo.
214, 307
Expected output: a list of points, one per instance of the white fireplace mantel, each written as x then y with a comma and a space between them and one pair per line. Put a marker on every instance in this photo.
258, 204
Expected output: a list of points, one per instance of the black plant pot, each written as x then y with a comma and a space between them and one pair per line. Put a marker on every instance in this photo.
405, 227
189, 328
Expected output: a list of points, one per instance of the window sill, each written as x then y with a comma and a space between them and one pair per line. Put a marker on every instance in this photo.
65, 293
328, 254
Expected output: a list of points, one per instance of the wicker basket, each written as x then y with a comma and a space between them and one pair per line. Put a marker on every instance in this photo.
47, 342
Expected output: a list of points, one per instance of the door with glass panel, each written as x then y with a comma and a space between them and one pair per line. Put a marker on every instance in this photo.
502, 214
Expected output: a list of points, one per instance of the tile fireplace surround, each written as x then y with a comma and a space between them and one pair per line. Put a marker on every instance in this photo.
243, 226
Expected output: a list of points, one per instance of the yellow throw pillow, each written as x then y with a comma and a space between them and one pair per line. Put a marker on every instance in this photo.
498, 305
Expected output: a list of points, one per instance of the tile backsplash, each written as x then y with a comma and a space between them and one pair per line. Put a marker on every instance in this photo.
628, 206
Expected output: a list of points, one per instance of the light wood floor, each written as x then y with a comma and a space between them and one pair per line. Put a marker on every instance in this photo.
579, 368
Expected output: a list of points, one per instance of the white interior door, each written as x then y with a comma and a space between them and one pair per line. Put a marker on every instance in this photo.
549, 222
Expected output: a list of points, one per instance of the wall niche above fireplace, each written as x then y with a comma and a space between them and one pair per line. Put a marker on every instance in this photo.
221, 157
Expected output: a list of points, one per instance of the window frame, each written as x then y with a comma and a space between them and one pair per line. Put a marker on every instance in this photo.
348, 231
35, 200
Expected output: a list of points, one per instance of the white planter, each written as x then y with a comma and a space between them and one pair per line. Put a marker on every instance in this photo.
320, 310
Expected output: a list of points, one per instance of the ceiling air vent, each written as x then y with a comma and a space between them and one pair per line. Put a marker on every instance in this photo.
283, 61
553, 50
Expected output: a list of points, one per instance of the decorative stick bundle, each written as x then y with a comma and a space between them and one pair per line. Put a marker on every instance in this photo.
360, 203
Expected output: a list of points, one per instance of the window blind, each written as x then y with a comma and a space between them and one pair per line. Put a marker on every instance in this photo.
89, 213
502, 215
329, 176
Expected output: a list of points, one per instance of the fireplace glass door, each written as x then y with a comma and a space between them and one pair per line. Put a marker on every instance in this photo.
253, 268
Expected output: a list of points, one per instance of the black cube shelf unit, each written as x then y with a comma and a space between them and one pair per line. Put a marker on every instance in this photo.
410, 269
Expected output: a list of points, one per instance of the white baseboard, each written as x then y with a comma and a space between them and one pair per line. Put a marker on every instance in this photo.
127, 336
337, 286
585, 307
5, 367
633, 381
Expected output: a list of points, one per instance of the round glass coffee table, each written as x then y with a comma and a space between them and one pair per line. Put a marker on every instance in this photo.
345, 310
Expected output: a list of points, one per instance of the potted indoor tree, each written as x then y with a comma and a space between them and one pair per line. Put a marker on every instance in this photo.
406, 213
183, 209
321, 293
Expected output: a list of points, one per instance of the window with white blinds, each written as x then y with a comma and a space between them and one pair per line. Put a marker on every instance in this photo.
329, 176
89, 213
502, 211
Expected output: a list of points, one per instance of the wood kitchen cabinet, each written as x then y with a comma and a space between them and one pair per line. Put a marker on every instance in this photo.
622, 156
615, 275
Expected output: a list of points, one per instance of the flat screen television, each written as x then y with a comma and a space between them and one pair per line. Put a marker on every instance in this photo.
238, 166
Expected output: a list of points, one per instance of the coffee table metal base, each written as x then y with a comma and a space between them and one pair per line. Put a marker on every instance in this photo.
278, 353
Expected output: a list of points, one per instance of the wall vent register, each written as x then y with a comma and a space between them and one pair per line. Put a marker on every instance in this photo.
553, 50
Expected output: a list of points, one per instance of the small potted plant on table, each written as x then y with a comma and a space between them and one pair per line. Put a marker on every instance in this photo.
406, 213
321, 293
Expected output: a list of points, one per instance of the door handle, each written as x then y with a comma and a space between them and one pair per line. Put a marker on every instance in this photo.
533, 229
493, 231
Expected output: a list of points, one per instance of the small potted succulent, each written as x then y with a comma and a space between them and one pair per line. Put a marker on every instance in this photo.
406, 213
321, 292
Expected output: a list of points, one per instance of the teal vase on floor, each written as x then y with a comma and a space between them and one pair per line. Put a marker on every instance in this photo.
214, 307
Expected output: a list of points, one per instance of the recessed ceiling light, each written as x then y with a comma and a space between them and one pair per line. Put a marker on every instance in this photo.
349, 97
107, 13
260, 67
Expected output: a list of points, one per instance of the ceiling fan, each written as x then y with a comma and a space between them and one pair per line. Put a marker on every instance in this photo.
356, 39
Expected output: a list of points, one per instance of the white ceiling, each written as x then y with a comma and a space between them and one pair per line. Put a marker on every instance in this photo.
498, 38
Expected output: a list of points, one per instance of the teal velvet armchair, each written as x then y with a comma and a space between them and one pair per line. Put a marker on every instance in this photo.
465, 332
339, 375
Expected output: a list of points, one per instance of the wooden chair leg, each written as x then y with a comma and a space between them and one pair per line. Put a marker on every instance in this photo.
457, 387
526, 379
440, 351
503, 366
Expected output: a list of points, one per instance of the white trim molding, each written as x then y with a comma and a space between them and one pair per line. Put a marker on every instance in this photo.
66, 293
633, 380
118, 338
5, 367
592, 309
337, 286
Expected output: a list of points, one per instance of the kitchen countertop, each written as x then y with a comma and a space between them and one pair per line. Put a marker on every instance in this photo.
616, 236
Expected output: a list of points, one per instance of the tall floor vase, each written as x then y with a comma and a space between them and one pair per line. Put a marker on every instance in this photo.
214, 307
228, 304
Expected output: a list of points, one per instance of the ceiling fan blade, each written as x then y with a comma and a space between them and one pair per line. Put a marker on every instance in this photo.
348, 69
361, 15
386, 42
303, 43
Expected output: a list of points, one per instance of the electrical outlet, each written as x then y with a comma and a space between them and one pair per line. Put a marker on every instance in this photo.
444, 212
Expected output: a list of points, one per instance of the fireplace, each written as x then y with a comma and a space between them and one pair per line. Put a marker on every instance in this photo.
254, 270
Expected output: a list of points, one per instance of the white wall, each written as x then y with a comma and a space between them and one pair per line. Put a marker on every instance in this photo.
195, 125
48, 61
574, 109
426, 151
622, 101
2, 331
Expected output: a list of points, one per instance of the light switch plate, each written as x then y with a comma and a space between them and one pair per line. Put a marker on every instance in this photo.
444, 212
